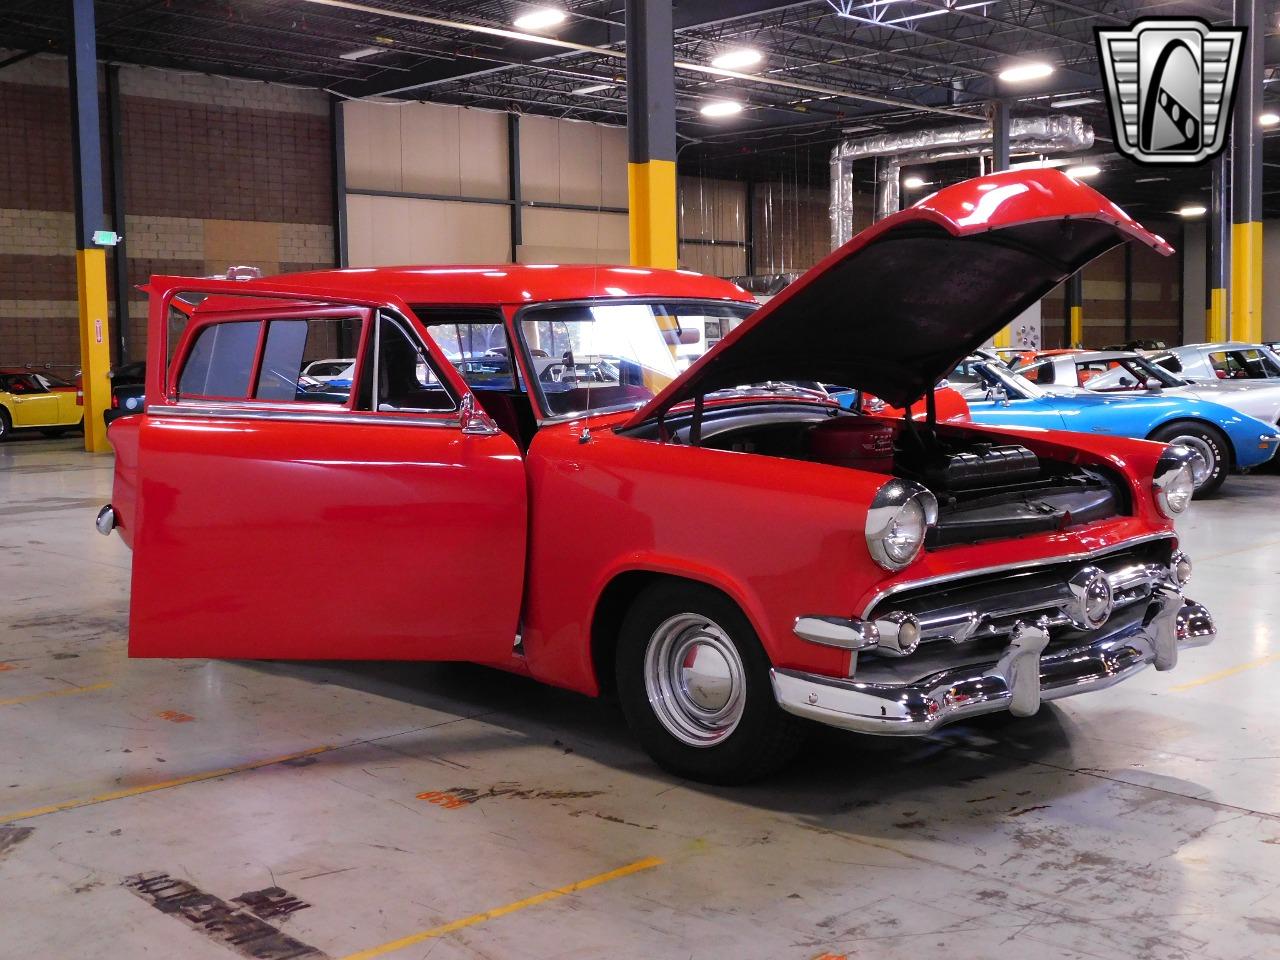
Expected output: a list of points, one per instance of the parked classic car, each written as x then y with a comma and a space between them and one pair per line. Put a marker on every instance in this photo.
1217, 438
325, 371
1233, 362
728, 560
39, 401
1120, 372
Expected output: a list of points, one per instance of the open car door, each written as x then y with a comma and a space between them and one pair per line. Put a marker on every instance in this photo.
278, 517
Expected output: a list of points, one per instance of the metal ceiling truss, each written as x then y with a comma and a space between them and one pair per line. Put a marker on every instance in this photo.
829, 64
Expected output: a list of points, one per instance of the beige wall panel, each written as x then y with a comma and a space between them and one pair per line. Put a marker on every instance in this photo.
713, 209
539, 159
385, 231
373, 146
714, 260
230, 243
430, 148
573, 236
580, 170
613, 164
483, 153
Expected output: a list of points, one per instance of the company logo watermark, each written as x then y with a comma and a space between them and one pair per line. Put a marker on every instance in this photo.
1170, 85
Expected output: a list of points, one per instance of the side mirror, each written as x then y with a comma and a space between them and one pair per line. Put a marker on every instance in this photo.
1154, 385
998, 394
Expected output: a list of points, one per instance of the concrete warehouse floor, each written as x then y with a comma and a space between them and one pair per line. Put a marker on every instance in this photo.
448, 811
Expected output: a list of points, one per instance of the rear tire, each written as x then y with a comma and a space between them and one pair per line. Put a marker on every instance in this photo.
1209, 446
693, 682
6, 425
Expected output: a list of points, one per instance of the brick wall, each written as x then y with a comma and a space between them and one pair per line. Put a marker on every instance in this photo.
1157, 298
217, 172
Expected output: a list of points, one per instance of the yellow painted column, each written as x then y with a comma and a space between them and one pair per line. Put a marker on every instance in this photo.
1076, 323
95, 345
651, 199
1003, 337
1215, 317
1246, 282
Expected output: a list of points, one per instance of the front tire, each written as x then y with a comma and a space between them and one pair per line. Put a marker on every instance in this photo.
693, 682
1209, 447
6, 425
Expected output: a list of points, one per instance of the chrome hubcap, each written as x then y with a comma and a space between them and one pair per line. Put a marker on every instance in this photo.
695, 680
1203, 459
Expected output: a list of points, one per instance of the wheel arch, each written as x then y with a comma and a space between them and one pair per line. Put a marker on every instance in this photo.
616, 598
1178, 420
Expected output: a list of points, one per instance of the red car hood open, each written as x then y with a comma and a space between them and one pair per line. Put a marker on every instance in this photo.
894, 309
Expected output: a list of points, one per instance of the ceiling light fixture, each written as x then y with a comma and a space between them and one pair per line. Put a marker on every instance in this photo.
739, 59
913, 183
1194, 210
594, 88
720, 108
1152, 180
1269, 119
540, 18
1026, 71
1082, 171
360, 54
1073, 102
866, 127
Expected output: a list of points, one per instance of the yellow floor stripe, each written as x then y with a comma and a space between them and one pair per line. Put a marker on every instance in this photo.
1229, 672
67, 692
152, 787
646, 864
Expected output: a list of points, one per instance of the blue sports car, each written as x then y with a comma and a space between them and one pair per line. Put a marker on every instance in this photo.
1221, 439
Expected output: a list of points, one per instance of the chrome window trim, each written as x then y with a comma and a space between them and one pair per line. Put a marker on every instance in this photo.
240, 411
407, 328
881, 595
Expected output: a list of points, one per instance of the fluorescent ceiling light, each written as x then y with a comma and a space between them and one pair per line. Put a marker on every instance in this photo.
594, 88
1082, 171
1152, 180
862, 129
913, 183
1026, 71
1269, 119
360, 54
540, 18
1073, 102
1194, 210
738, 59
720, 108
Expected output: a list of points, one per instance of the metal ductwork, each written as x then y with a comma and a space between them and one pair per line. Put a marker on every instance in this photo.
892, 151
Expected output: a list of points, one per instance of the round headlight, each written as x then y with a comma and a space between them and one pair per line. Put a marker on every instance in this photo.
897, 522
1174, 482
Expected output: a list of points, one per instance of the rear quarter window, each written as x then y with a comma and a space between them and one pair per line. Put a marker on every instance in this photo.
221, 361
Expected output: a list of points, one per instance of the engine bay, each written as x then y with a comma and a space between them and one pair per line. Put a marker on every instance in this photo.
985, 490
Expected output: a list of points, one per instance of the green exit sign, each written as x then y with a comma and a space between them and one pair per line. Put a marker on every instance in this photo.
106, 238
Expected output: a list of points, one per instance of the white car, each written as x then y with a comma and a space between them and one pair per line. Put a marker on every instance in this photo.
326, 370
1221, 361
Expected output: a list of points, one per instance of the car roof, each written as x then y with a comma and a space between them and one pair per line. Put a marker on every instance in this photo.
1091, 356
478, 284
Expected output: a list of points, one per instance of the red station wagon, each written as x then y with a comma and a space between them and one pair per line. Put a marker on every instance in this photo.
521, 475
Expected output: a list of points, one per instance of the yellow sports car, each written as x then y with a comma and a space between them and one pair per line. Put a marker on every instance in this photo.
38, 401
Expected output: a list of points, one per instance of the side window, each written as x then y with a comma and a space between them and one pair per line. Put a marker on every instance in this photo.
1042, 373
475, 342
1170, 362
398, 374
295, 346
221, 361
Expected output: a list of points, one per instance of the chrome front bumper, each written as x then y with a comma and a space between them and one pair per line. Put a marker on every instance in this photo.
1023, 674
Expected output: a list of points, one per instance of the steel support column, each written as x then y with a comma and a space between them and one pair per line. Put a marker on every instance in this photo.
999, 112
119, 254
91, 260
1217, 249
1246, 178
1073, 310
513, 181
651, 134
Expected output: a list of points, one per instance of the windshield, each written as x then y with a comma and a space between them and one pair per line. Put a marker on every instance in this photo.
1015, 386
1131, 373
618, 356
